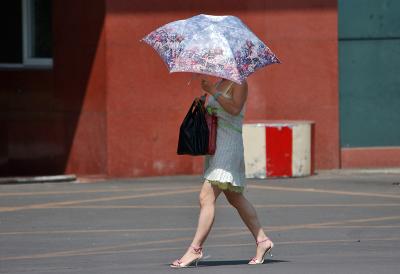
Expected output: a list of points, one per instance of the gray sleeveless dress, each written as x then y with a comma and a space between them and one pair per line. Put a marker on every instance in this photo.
226, 168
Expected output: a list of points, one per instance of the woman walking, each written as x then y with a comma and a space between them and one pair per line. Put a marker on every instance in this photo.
225, 172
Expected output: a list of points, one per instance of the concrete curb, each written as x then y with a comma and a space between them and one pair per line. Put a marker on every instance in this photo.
360, 171
37, 179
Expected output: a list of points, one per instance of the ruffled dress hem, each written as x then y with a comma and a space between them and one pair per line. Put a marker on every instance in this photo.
224, 180
227, 186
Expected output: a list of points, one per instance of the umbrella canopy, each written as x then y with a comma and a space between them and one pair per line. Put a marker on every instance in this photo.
221, 46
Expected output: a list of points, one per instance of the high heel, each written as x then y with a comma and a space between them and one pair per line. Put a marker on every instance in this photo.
197, 250
254, 260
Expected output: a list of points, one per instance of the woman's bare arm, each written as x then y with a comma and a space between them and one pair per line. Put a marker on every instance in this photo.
231, 105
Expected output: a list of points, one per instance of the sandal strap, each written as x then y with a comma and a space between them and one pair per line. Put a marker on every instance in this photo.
196, 249
266, 239
253, 259
178, 262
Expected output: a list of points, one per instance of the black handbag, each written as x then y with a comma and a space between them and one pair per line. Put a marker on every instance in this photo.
194, 132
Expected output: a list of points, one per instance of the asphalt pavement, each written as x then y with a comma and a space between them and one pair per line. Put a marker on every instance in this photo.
332, 222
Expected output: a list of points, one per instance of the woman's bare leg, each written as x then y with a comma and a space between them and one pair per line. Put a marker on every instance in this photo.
249, 216
208, 196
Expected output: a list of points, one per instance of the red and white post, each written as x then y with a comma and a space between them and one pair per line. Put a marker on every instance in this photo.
279, 148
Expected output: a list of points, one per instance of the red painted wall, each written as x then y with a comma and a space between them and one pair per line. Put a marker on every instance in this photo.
29, 135
80, 83
146, 104
109, 106
53, 120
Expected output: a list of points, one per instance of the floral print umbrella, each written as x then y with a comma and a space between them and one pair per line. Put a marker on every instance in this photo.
221, 46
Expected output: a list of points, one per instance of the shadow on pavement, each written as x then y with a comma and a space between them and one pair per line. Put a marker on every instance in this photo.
236, 262
232, 262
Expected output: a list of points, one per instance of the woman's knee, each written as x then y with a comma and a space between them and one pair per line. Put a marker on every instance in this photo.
208, 195
206, 201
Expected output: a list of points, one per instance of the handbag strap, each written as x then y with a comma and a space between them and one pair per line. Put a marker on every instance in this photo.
198, 101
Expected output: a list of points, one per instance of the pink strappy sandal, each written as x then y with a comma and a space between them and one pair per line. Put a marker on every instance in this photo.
179, 264
254, 260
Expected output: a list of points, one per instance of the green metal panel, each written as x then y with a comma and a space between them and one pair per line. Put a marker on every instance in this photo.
369, 84
369, 19
369, 73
